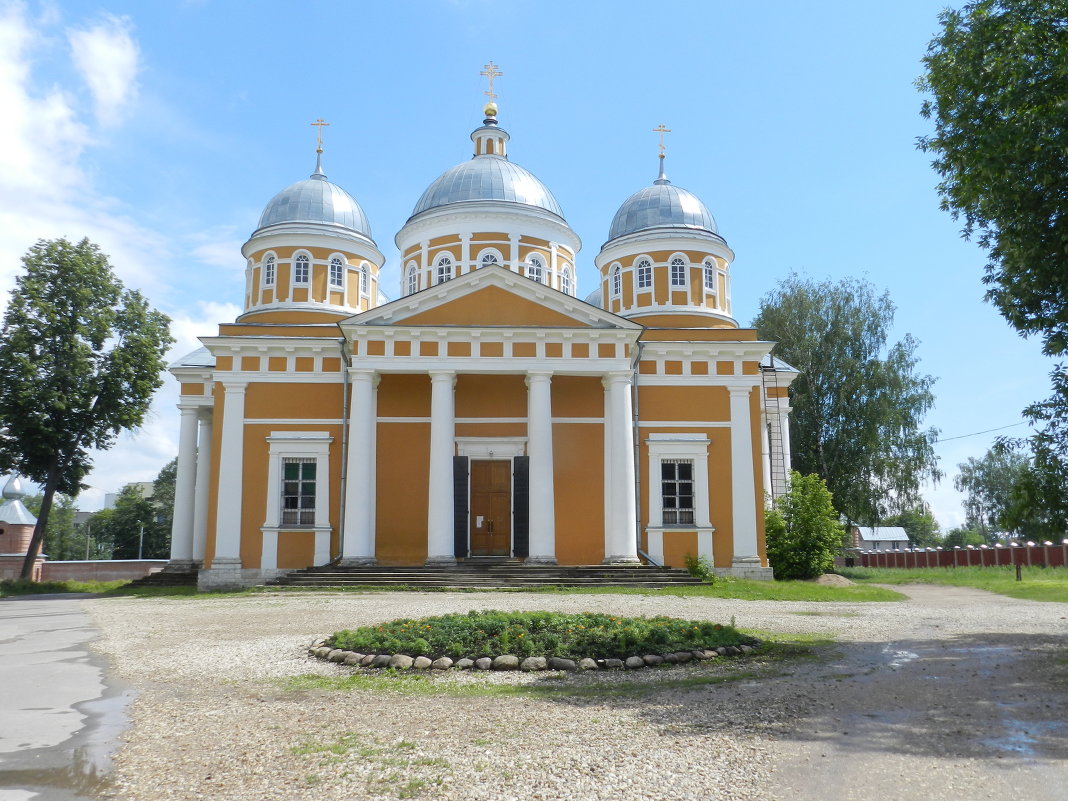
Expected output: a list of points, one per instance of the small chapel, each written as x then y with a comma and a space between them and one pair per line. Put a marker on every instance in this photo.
490, 412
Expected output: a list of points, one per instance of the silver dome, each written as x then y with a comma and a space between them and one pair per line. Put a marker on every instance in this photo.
661, 205
488, 178
316, 200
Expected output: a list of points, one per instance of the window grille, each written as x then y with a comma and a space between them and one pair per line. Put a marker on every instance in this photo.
678, 272
676, 491
710, 276
617, 282
301, 269
489, 258
413, 280
444, 269
268, 271
645, 274
567, 285
298, 491
365, 280
536, 270
337, 271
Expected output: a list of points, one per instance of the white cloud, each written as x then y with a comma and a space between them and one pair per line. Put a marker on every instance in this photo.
108, 58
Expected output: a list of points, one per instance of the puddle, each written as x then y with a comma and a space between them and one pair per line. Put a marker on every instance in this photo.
898, 658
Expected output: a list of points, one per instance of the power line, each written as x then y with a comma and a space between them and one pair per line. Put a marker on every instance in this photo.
977, 433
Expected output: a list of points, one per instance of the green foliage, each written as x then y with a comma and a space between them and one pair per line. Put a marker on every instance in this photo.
918, 523
802, 530
80, 358
990, 486
132, 518
571, 636
996, 75
24, 587
858, 404
163, 495
961, 537
700, 567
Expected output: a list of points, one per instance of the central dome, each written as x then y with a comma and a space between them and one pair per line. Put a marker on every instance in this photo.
488, 177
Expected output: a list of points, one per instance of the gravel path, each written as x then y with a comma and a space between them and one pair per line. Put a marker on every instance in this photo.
938, 697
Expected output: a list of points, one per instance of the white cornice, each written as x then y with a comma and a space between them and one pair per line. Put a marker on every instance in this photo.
662, 239
699, 311
310, 235
485, 216
307, 306
745, 350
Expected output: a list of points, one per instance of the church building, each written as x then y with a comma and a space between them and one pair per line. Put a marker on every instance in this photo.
489, 412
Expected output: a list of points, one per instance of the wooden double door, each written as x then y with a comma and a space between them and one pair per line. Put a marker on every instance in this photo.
491, 507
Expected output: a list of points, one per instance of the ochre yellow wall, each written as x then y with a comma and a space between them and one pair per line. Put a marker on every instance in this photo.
492, 306
578, 482
301, 401
663, 403
491, 396
401, 489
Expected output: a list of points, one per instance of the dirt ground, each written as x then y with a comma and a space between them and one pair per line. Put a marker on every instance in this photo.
951, 695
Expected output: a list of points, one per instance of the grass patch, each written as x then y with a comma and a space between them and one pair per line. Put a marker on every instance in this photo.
1039, 583
572, 636
9, 587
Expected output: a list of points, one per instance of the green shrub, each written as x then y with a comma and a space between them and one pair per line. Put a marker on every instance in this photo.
700, 567
571, 636
802, 531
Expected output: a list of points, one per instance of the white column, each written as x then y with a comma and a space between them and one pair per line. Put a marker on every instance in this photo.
621, 546
184, 489
439, 531
743, 491
540, 450
513, 253
200, 507
358, 547
231, 468
784, 429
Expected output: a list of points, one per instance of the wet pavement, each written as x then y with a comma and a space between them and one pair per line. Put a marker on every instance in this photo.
60, 716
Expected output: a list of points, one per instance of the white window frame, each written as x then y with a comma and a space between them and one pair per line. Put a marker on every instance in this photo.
615, 281
710, 274
480, 261
678, 446
365, 280
443, 261
288, 445
270, 269
682, 278
298, 259
535, 268
643, 269
413, 278
567, 282
337, 261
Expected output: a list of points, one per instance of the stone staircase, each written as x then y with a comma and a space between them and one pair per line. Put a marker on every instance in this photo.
506, 575
168, 578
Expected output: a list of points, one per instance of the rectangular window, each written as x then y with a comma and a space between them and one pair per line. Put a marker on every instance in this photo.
337, 272
298, 492
645, 276
301, 270
678, 272
676, 491
365, 284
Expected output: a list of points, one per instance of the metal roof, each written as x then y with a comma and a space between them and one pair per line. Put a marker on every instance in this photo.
316, 200
662, 205
883, 533
488, 177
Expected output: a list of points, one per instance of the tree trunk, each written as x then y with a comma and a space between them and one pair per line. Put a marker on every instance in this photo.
42, 525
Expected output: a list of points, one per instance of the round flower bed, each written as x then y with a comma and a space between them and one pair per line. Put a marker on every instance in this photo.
532, 641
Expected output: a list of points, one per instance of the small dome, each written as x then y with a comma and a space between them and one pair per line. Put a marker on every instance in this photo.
13, 488
488, 177
661, 205
316, 200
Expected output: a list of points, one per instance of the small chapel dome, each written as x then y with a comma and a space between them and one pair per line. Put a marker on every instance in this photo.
662, 205
316, 200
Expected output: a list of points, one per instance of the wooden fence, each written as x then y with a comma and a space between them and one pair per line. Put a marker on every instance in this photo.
1045, 554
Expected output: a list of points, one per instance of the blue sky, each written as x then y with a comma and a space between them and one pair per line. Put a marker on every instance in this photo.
160, 130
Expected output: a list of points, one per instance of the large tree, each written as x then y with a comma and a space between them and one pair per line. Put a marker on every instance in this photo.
80, 357
859, 403
987, 484
802, 530
997, 76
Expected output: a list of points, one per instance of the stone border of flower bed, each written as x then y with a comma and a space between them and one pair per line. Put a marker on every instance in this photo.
320, 650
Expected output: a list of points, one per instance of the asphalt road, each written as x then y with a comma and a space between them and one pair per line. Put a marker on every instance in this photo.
60, 716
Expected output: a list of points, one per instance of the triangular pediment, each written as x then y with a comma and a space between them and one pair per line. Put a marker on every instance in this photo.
491, 297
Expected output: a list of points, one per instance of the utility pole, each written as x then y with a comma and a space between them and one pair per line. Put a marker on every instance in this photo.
141, 541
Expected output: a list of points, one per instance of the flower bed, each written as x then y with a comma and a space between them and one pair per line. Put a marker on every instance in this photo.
532, 641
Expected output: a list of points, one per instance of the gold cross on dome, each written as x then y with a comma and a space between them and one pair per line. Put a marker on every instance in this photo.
490, 71
660, 129
319, 136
